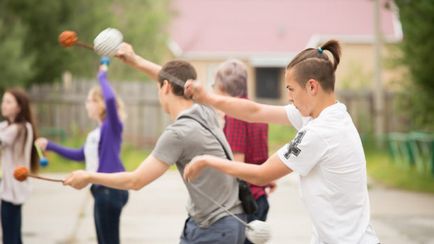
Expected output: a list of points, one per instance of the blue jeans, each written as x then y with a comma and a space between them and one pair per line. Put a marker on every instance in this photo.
261, 213
107, 212
11, 223
226, 230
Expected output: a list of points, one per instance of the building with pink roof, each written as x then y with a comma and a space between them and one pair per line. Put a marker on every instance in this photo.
266, 34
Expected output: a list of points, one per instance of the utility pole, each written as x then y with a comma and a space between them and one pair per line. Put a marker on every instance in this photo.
378, 91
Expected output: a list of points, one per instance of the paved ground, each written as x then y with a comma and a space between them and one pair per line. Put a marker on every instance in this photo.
57, 214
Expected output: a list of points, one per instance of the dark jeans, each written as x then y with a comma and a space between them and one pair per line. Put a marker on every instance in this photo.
11, 223
107, 212
226, 230
261, 212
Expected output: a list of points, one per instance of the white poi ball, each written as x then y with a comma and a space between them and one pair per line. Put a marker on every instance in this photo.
259, 232
107, 42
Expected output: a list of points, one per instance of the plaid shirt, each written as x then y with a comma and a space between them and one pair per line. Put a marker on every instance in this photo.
250, 139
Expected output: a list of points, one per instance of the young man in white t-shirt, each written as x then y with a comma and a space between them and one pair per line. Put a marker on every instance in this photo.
326, 153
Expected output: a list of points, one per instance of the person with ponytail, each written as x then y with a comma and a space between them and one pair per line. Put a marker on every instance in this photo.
326, 153
17, 135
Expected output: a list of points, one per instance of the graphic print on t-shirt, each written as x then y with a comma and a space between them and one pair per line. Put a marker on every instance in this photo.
292, 147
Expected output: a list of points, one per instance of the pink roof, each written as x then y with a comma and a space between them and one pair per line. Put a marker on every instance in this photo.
270, 26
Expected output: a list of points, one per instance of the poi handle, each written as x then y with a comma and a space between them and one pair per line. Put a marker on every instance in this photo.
39, 151
44, 178
104, 63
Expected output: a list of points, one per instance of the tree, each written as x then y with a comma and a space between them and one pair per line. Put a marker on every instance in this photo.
417, 18
29, 31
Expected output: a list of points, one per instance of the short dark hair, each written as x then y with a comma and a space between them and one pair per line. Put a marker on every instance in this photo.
177, 72
313, 63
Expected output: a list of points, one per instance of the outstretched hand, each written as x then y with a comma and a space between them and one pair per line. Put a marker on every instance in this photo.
271, 187
78, 179
42, 143
126, 53
192, 169
196, 91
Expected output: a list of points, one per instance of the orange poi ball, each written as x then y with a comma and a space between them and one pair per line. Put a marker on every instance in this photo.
21, 173
68, 38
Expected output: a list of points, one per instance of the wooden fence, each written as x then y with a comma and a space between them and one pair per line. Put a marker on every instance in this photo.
60, 107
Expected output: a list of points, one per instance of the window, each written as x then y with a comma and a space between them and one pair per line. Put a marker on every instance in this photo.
268, 83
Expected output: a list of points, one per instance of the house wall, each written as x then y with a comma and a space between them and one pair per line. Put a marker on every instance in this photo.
355, 71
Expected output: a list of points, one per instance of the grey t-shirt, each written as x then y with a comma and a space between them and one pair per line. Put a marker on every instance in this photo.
180, 143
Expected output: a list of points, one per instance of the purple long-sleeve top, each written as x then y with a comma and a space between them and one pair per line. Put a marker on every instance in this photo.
110, 142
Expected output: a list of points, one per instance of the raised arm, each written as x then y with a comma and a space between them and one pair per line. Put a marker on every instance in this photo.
127, 55
239, 108
109, 100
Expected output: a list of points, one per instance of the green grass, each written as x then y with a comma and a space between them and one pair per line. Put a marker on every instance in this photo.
383, 171
279, 135
380, 167
130, 155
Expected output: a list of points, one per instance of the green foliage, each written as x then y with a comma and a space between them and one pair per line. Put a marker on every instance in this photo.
29, 33
17, 66
417, 18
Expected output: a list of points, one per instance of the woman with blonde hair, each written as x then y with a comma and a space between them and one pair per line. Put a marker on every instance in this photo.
101, 153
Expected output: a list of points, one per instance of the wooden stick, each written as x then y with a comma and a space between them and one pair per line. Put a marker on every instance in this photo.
45, 178
81, 44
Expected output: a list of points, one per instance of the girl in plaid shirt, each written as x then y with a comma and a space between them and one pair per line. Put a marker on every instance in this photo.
248, 141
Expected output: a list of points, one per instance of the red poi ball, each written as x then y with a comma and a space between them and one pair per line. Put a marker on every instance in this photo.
21, 173
68, 38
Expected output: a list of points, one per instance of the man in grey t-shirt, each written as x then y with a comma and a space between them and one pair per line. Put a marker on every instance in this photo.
179, 144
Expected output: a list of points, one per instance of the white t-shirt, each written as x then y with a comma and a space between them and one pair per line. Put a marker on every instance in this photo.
327, 154
15, 151
91, 150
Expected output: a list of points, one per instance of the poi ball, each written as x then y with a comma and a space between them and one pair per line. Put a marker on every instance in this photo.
68, 38
259, 232
21, 173
107, 42
43, 162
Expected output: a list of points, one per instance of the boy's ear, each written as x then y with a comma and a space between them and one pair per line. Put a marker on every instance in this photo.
166, 86
312, 86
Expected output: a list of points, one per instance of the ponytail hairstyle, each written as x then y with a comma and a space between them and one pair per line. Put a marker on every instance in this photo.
25, 115
314, 63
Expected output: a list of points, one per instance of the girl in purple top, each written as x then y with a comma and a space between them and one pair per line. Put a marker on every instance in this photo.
101, 153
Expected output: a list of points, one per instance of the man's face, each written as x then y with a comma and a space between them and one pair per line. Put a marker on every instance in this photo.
298, 95
162, 95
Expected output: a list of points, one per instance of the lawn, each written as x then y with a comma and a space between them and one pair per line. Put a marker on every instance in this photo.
380, 167
130, 155
383, 171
